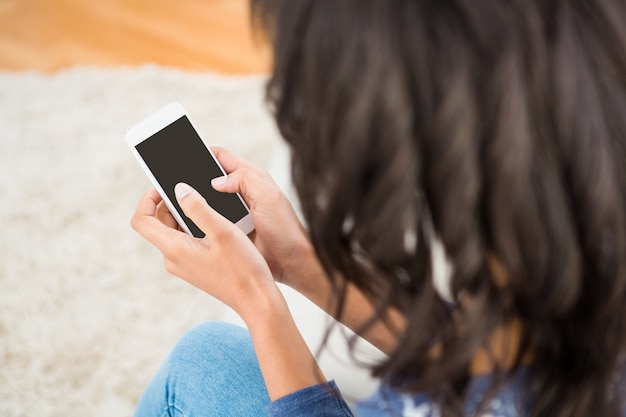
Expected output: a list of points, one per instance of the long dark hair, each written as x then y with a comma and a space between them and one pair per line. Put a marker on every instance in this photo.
498, 127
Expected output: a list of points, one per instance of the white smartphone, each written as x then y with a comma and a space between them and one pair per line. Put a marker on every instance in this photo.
170, 150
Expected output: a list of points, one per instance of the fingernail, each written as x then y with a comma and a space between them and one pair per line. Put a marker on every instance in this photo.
181, 190
216, 182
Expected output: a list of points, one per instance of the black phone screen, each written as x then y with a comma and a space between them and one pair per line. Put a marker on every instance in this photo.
177, 154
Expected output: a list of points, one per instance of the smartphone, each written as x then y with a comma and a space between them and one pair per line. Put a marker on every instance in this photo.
170, 150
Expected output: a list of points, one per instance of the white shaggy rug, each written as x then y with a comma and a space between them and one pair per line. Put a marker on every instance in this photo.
87, 312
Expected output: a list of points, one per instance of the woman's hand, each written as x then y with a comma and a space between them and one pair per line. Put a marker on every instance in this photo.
240, 271
224, 263
285, 245
279, 235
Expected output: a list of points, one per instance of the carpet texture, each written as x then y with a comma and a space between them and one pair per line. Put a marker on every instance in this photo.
87, 312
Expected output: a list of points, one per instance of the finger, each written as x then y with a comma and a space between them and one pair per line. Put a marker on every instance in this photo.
232, 162
147, 205
165, 216
199, 211
148, 226
253, 188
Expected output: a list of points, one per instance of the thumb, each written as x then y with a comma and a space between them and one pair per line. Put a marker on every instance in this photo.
197, 209
252, 187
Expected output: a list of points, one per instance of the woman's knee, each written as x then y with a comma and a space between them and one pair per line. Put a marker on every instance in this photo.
215, 361
212, 370
212, 338
212, 348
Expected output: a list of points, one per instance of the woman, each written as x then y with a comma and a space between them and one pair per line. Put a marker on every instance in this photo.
495, 128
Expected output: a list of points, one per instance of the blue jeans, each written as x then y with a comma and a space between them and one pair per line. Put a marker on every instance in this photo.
212, 371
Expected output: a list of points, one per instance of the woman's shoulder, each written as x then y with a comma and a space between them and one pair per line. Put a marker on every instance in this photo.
511, 400
508, 402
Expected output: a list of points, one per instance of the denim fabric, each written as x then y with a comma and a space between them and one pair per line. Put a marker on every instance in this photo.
212, 371
319, 400
511, 400
508, 402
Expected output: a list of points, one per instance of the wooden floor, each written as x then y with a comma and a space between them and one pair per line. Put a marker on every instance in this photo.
203, 35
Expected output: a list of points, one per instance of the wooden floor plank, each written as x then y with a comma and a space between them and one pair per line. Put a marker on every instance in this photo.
203, 35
